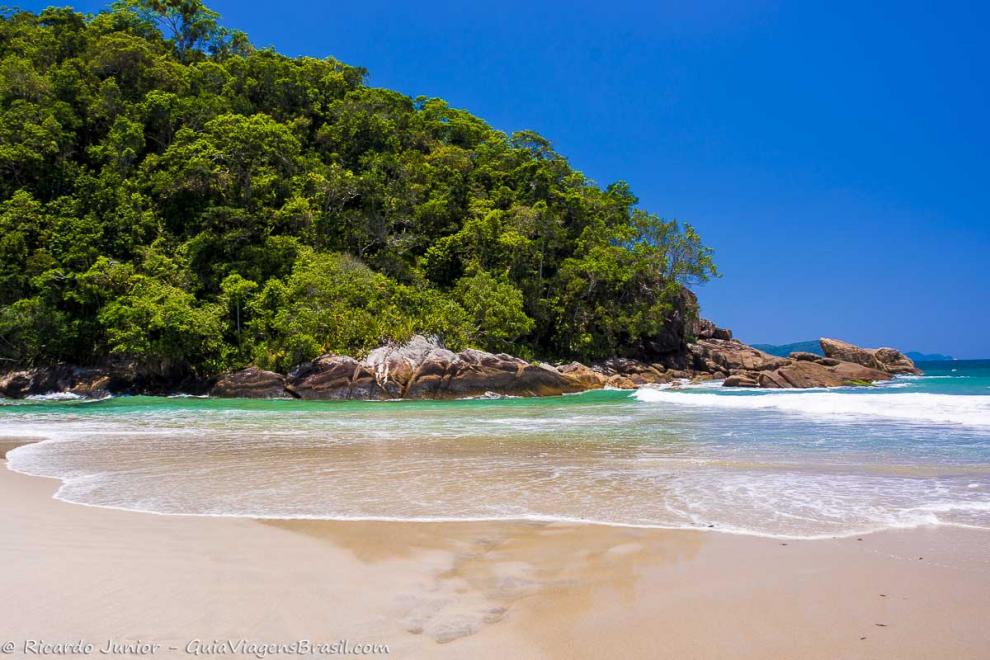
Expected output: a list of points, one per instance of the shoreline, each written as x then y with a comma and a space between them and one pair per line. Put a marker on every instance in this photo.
486, 589
8, 444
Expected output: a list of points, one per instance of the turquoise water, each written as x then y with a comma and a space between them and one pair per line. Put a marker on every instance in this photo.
808, 464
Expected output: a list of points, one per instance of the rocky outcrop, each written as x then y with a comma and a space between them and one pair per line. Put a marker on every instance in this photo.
800, 370
885, 359
423, 369
82, 381
251, 383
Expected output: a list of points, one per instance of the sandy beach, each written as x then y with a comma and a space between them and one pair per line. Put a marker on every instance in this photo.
520, 590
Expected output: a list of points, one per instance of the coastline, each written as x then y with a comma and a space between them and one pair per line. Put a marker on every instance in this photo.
423, 368
528, 590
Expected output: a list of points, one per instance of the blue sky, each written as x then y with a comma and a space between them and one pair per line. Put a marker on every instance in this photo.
835, 155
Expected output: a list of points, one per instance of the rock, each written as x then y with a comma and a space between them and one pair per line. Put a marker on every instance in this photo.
334, 377
639, 373
396, 366
889, 360
704, 329
423, 368
620, 382
16, 384
251, 383
739, 380
586, 376
805, 356
771, 380
476, 372
722, 333
732, 355
94, 386
895, 362
803, 373
89, 382
850, 372
846, 352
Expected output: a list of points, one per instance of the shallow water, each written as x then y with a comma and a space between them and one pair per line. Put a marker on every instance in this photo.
810, 463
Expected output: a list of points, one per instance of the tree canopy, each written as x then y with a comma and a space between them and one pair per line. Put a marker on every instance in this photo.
171, 195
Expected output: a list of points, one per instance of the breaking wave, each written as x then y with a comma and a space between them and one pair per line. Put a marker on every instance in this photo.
969, 410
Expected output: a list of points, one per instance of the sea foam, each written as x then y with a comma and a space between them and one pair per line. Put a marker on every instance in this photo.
912, 407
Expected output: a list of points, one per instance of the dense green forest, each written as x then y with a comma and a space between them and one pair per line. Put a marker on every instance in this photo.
174, 196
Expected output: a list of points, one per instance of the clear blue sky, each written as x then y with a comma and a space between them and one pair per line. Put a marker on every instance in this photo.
835, 155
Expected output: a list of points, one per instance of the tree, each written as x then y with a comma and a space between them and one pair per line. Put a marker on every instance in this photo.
189, 24
164, 329
236, 291
495, 309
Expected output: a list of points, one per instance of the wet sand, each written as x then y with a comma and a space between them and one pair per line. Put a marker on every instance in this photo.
520, 590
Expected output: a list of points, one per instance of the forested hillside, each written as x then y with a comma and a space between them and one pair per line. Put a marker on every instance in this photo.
173, 196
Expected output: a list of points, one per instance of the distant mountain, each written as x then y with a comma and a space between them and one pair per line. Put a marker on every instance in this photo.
928, 357
812, 346
783, 350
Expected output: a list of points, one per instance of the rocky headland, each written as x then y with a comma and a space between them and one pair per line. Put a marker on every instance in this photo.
423, 368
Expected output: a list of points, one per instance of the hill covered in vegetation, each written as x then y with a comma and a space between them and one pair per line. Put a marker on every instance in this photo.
172, 196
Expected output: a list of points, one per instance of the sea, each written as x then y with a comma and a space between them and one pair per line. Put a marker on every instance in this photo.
813, 463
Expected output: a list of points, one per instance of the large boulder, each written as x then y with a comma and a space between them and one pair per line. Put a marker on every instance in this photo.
741, 380
416, 367
588, 378
846, 352
423, 368
334, 377
251, 383
731, 355
889, 360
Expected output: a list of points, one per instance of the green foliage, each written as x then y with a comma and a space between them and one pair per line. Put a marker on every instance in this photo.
164, 328
175, 197
495, 309
333, 303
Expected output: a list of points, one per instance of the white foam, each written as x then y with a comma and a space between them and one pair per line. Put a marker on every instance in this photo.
56, 396
915, 407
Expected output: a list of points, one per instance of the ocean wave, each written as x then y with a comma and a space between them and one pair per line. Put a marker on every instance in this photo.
56, 396
771, 506
970, 410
